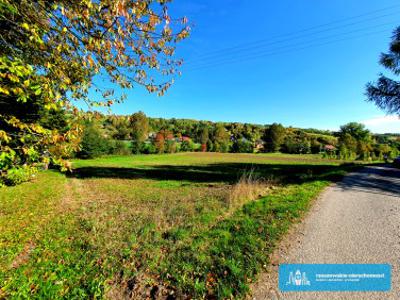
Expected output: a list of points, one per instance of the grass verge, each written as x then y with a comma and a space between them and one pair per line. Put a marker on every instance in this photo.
222, 262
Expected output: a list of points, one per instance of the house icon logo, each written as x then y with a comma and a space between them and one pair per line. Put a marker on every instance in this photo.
298, 278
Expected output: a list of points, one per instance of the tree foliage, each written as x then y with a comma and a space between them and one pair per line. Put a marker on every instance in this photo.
140, 129
189, 135
204, 137
187, 146
221, 139
119, 127
385, 93
159, 141
297, 142
94, 143
274, 137
355, 130
242, 146
51, 50
355, 140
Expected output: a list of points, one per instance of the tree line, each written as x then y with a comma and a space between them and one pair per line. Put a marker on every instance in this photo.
139, 134
51, 50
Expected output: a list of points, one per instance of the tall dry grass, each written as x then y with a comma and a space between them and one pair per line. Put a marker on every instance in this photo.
250, 187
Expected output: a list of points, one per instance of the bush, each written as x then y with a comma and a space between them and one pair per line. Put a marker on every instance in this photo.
296, 147
94, 143
187, 146
315, 147
10, 174
394, 153
170, 147
149, 148
137, 147
121, 148
242, 146
221, 147
19, 175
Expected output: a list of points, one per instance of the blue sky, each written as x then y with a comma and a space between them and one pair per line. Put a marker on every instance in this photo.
259, 62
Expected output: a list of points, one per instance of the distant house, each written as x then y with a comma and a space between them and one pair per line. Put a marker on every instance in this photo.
329, 148
169, 137
185, 139
152, 135
259, 146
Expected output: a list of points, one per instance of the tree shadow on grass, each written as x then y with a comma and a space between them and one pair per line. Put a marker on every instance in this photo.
219, 172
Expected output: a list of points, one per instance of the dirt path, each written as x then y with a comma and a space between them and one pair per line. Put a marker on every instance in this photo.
355, 221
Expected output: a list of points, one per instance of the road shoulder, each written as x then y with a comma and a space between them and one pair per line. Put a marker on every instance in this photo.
266, 288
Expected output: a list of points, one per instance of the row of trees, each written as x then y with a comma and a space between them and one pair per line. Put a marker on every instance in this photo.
139, 134
51, 50
356, 142
352, 141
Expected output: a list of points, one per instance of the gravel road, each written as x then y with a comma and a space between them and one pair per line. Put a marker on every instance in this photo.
354, 221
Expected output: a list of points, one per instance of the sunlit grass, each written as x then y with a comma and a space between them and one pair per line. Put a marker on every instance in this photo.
186, 225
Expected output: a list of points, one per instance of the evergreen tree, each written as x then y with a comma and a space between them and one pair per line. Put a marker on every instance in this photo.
385, 93
93, 143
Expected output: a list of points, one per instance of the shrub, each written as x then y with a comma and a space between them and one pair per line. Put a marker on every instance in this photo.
187, 146
196, 147
121, 148
315, 147
150, 148
394, 153
10, 173
296, 146
242, 146
94, 143
170, 147
221, 147
137, 147
289, 147
18, 175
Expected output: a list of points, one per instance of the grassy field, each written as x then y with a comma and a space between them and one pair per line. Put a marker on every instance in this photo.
190, 225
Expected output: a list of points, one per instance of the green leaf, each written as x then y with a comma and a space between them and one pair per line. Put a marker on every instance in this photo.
38, 91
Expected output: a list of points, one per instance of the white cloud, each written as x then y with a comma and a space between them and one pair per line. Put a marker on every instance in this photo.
383, 124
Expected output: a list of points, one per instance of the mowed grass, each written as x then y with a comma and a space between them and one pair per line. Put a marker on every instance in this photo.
186, 158
191, 225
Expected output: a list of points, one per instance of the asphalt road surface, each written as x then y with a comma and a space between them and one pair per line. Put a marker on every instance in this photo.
355, 221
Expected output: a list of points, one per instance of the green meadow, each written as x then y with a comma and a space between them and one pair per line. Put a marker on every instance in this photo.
188, 225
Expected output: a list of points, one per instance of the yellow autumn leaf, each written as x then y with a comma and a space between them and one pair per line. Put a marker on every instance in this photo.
25, 26
4, 91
